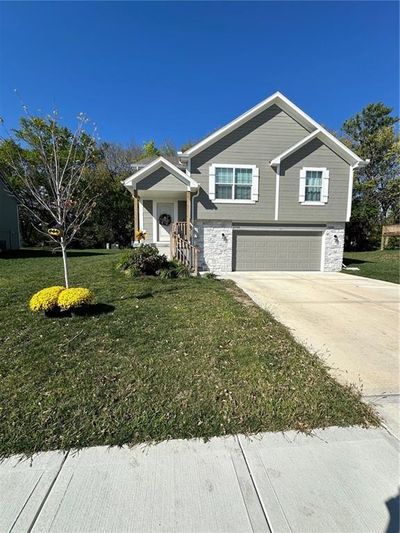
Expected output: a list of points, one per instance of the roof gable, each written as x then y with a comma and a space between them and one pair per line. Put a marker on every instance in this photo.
160, 162
288, 107
328, 139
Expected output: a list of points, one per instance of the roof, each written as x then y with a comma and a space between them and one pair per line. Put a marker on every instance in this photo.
141, 163
328, 139
160, 162
286, 105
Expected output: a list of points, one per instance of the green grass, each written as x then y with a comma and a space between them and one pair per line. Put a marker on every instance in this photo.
173, 359
384, 265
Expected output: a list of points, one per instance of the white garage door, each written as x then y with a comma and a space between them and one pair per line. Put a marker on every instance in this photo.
263, 250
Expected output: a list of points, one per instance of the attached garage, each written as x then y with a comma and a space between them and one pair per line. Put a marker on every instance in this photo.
277, 250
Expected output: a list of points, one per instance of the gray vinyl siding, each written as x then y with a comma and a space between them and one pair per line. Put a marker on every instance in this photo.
314, 154
161, 180
9, 226
255, 143
296, 251
181, 211
148, 219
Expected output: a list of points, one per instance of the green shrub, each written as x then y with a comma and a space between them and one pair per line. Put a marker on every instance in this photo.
174, 270
145, 260
210, 275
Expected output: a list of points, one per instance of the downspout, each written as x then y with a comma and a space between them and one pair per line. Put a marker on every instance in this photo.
357, 165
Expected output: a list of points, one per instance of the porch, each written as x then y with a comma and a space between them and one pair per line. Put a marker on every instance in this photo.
156, 214
162, 209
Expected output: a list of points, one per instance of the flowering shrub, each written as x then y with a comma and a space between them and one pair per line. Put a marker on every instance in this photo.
46, 299
74, 298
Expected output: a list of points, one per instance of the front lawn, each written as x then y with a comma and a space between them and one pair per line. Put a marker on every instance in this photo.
384, 265
161, 359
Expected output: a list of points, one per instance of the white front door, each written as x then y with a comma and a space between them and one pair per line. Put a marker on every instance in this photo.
165, 212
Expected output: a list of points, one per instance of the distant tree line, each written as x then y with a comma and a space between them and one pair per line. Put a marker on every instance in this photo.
27, 153
371, 134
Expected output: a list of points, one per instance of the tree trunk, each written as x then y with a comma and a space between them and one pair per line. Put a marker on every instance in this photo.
64, 256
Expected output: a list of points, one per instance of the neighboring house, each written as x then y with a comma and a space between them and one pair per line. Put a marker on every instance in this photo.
9, 225
271, 190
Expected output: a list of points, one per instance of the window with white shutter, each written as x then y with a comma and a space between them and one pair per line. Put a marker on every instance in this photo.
314, 186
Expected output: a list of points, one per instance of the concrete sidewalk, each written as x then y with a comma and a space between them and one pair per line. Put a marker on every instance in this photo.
338, 480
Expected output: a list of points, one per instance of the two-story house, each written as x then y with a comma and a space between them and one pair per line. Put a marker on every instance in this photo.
271, 190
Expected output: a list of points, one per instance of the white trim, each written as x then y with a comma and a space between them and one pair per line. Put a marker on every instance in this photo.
350, 193
286, 105
255, 184
141, 214
255, 177
282, 229
279, 158
133, 180
228, 201
324, 185
155, 228
233, 165
322, 135
277, 185
323, 243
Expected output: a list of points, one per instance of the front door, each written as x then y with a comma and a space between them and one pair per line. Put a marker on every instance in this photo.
165, 219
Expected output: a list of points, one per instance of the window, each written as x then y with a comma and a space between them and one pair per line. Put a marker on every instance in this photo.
314, 186
233, 183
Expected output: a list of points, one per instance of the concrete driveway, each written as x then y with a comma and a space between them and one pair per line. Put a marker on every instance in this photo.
350, 321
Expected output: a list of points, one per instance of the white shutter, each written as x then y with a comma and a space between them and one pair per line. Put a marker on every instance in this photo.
302, 185
325, 186
211, 183
254, 186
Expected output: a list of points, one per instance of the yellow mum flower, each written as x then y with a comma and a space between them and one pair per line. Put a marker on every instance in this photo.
46, 299
74, 297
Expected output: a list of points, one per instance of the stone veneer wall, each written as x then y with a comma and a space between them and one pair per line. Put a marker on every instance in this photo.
215, 249
334, 247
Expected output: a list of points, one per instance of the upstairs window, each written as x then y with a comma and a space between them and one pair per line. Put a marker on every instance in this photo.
234, 183
314, 186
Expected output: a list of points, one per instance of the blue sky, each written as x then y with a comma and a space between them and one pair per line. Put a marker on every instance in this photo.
178, 70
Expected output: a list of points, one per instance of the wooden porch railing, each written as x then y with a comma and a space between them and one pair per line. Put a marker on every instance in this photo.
182, 249
181, 229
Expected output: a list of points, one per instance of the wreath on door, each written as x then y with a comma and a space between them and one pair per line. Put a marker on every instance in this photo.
165, 219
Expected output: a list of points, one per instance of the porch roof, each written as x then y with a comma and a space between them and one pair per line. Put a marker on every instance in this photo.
132, 182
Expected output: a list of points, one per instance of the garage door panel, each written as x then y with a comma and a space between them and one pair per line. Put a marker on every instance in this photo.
276, 251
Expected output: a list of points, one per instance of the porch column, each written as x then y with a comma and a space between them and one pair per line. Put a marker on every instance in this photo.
135, 213
188, 213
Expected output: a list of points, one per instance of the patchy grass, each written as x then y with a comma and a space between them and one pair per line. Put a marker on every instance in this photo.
384, 265
160, 359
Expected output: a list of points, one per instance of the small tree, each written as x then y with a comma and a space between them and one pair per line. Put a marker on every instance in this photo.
47, 168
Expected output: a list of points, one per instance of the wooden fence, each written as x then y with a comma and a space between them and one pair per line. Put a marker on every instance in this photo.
389, 231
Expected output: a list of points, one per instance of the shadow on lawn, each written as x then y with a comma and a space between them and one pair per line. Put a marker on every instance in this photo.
348, 261
88, 310
39, 252
149, 293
